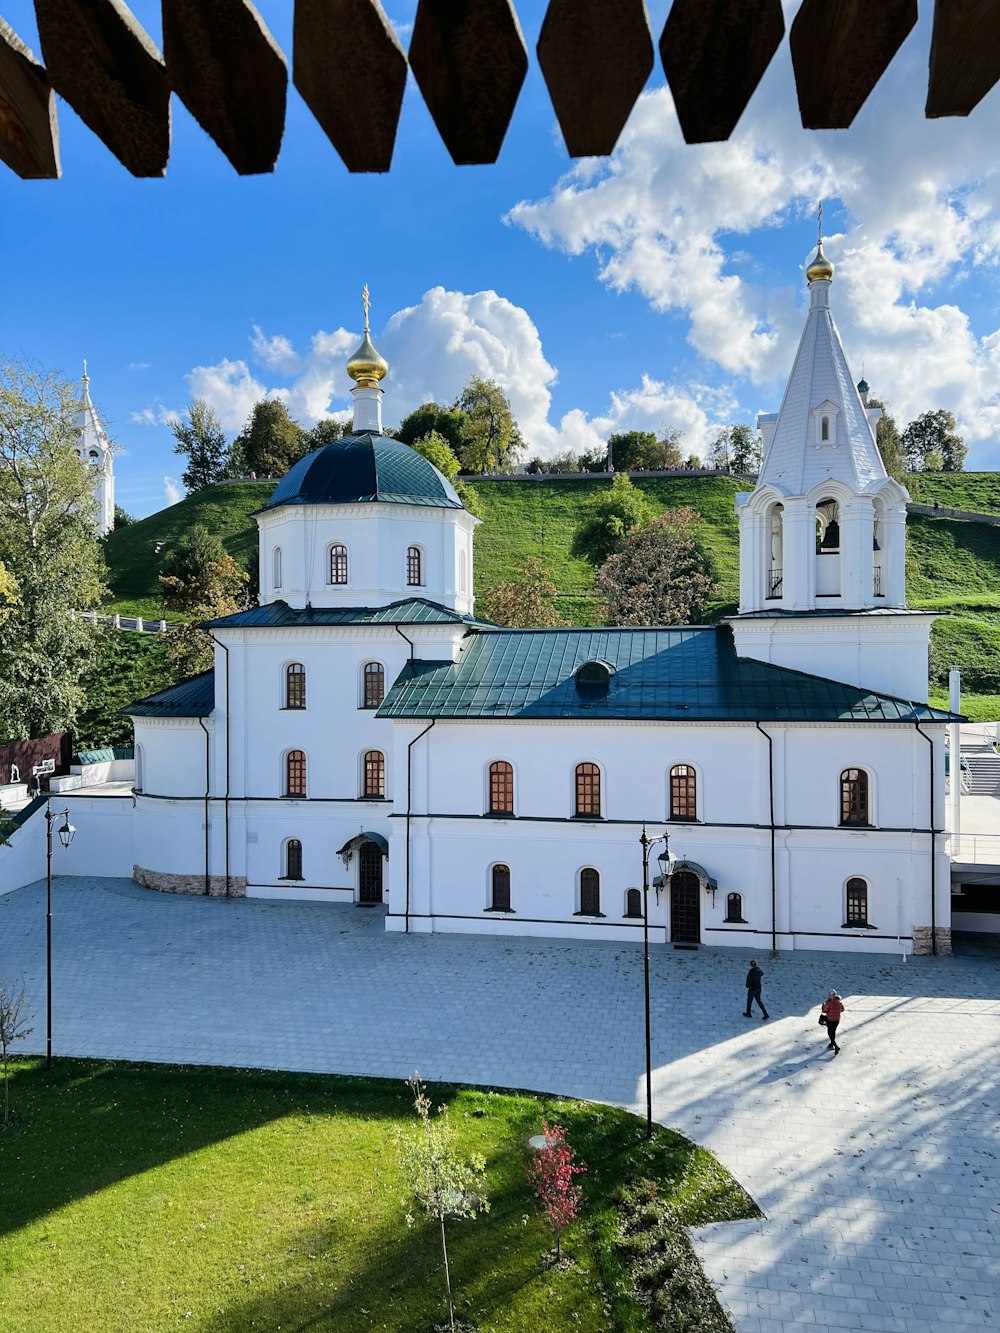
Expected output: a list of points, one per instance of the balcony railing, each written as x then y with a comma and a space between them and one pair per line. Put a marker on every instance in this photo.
774, 583
878, 583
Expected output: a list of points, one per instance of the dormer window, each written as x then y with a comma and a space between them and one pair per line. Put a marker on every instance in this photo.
593, 680
825, 425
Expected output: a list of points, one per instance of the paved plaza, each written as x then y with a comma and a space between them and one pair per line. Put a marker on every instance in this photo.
878, 1172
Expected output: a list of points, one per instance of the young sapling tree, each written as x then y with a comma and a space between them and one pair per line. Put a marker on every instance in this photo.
551, 1174
13, 1027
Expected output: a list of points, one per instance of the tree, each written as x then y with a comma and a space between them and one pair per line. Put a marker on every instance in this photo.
428, 417
595, 459
270, 443
491, 441
123, 519
609, 518
9, 597
436, 449
642, 451
890, 445
202, 440
48, 517
932, 444
13, 1027
125, 667
524, 602
326, 431
659, 576
551, 1174
444, 1183
737, 449
200, 581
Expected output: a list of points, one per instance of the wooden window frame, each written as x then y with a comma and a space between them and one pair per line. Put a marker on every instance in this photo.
500, 888
373, 776
590, 892
295, 773
338, 565
295, 698
587, 791
855, 897
739, 917
855, 798
684, 794
501, 788
414, 567
372, 685
637, 915
293, 849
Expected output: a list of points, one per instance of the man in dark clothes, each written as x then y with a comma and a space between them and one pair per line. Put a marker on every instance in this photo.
754, 977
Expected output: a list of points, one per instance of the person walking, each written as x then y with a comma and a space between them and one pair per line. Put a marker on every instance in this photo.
754, 977
833, 1007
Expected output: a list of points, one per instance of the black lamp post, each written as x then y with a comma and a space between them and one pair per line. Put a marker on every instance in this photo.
65, 832
665, 867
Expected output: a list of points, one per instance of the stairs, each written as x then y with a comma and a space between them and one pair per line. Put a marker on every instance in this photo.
984, 770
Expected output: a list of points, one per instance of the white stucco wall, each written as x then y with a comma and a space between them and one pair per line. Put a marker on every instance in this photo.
102, 845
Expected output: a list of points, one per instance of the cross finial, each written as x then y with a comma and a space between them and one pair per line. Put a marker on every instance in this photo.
819, 224
366, 302
85, 375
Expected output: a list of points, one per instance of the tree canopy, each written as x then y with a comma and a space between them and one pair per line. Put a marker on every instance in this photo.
738, 449
201, 439
643, 451
890, 444
200, 581
524, 602
269, 444
432, 417
491, 441
608, 520
659, 576
48, 547
435, 448
932, 443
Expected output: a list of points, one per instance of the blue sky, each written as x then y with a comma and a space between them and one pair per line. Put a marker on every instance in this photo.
662, 287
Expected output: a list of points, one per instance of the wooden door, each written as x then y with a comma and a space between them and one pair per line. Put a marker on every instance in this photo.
685, 916
370, 874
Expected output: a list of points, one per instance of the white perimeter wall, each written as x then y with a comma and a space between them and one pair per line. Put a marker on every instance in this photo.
103, 844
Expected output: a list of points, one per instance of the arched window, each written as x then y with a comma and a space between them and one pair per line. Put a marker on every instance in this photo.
501, 788
588, 791
293, 859
854, 796
857, 903
295, 685
590, 892
824, 429
734, 907
683, 792
827, 527
295, 773
500, 889
338, 563
414, 566
374, 775
374, 684
633, 902
276, 567
95, 457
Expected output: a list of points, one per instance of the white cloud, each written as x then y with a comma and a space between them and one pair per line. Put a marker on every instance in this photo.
172, 491
156, 415
923, 209
276, 352
230, 388
139, 365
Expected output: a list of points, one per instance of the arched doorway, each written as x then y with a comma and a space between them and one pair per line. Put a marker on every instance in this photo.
685, 915
369, 873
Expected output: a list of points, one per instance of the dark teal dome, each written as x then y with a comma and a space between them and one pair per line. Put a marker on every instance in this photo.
362, 469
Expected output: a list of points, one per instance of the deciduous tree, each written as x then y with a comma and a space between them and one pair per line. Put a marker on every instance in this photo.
659, 576
524, 602
436, 449
200, 581
932, 443
326, 431
269, 444
552, 1174
14, 1020
446, 421
738, 449
644, 451
889, 441
48, 518
491, 441
201, 439
608, 520
445, 1183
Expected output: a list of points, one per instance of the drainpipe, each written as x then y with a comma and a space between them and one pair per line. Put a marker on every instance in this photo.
930, 756
228, 754
409, 641
774, 877
409, 807
208, 787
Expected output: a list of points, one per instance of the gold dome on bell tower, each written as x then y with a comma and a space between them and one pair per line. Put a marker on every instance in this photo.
820, 269
367, 366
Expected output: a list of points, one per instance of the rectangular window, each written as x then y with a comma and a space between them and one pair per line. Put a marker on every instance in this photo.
374, 685
683, 792
374, 774
588, 791
501, 789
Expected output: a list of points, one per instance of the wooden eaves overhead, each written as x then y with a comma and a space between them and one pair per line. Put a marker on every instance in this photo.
469, 60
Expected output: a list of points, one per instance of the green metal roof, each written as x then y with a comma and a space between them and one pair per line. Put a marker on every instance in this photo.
194, 697
410, 611
684, 674
361, 469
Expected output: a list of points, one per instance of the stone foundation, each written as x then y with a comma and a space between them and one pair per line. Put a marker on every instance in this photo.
922, 941
164, 882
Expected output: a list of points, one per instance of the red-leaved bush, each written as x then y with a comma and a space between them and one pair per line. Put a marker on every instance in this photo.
551, 1173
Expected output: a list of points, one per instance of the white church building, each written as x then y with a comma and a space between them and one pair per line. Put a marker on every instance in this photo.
364, 739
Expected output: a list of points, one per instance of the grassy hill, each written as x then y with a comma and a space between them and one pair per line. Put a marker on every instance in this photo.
952, 566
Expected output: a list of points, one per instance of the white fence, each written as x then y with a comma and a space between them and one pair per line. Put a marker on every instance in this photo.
135, 623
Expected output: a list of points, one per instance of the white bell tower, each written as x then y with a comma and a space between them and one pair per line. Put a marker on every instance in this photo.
823, 534
94, 448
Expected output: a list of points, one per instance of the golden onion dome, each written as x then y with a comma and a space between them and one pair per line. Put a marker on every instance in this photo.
367, 366
820, 270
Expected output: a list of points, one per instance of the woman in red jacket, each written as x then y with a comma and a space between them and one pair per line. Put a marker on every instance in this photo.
833, 1007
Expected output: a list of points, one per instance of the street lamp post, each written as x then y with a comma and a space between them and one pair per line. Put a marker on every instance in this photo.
664, 859
65, 832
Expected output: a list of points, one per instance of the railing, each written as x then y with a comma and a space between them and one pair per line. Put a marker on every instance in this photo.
878, 582
977, 848
774, 583
135, 623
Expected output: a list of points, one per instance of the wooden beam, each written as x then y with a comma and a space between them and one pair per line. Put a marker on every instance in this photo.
111, 74
351, 71
469, 61
840, 50
965, 56
595, 56
229, 72
714, 54
29, 131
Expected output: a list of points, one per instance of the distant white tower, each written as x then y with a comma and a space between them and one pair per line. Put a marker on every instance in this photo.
95, 449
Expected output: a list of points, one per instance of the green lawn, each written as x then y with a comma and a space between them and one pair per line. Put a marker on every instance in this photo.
150, 1198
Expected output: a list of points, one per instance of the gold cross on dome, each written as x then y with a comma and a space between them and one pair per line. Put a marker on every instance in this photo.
366, 302
819, 224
